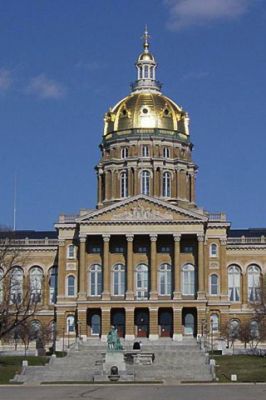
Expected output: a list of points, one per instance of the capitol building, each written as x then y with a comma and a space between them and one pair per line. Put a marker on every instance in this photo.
147, 260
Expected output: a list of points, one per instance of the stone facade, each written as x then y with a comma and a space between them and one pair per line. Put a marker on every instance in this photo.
147, 260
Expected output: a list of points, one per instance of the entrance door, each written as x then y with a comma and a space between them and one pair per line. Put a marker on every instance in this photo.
95, 324
189, 324
118, 321
165, 323
142, 322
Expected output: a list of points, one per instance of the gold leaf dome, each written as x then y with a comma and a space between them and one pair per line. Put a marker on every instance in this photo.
145, 110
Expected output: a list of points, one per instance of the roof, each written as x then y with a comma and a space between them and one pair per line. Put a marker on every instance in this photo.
250, 232
22, 234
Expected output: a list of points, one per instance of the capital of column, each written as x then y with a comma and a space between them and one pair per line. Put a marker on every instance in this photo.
130, 238
153, 238
200, 238
82, 238
223, 241
177, 237
106, 238
61, 243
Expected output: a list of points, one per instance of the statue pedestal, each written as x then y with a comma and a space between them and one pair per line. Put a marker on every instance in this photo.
114, 358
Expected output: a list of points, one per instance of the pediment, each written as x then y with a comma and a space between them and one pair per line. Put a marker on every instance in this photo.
142, 209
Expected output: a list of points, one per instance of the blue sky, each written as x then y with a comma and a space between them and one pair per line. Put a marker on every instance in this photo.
63, 63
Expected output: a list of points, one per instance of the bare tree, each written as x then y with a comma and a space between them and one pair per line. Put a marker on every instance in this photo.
16, 302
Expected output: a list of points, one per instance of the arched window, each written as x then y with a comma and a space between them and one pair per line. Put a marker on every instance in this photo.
71, 251
124, 152
152, 72
188, 273
145, 148
146, 71
36, 280
234, 283
166, 152
166, 184
145, 182
254, 329
95, 324
253, 283
234, 328
214, 287
213, 250
165, 280
142, 281
1, 285
70, 324
71, 285
95, 280
119, 280
214, 323
35, 329
52, 285
123, 184
16, 285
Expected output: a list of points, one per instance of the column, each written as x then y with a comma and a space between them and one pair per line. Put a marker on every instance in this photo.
100, 195
106, 271
177, 184
223, 270
177, 324
130, 324
82, 323
45, 290
61, 270
130, 272
153, 328
192, 189
244, 292
129, 180
177, 269
106, 323
136, 182
201, 291
82, 268
153, 268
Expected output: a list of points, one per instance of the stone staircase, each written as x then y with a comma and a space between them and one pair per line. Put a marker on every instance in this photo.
174, 362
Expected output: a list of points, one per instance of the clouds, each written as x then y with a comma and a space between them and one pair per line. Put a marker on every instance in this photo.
45, 88
184, 13
5, 79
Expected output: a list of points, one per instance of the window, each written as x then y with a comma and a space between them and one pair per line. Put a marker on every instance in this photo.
1, 286
36, 280
71, 251
213, 250
254, 329
70, 324
71, 285
253, 283
234, 327
145, 149
95, 248
165, 280
35, 329
166, 152
95, 324
118, 249
95, 280
145, 182
53, 285
187, 248
164, 249
142, 282
123, 185
188, 279
16, 285
140, 248
124, 152
214, 289
214, 323
119, 280
166, 184
146, 71
234, 283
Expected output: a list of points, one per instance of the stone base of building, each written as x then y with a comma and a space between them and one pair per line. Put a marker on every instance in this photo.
177, 337
153, 337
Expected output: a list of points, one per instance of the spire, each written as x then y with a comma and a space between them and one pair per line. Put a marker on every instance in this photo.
146, 38
146, 66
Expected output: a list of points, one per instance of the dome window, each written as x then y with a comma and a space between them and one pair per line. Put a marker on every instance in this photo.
145, 110
166, 111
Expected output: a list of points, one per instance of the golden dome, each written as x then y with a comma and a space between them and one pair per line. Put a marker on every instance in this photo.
146, 110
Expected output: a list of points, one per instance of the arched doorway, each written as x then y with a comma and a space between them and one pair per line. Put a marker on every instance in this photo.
94, 322
118, 320
189, 321
165, 319
142, 322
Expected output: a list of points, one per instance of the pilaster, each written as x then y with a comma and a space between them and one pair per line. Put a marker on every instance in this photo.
130, 326
177, 288
177, 325
106, 268
153, 329
201, 291
130, 272
153, 258
82, 268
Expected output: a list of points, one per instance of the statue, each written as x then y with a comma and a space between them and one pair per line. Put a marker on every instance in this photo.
113, 341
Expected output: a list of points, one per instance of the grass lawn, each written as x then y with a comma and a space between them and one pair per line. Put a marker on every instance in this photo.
247, 368
10, 365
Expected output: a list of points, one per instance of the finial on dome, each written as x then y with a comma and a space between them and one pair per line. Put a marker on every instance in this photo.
146, 38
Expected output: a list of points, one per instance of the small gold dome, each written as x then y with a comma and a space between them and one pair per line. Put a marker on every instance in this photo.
148, 110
